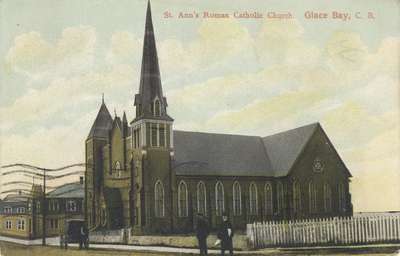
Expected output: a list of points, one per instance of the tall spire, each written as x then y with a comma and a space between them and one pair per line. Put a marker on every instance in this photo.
150, 80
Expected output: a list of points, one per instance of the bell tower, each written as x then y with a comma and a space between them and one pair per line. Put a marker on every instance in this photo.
152, 143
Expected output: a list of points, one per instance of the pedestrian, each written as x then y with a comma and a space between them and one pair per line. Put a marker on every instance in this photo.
225, 235
202, 231
83, 238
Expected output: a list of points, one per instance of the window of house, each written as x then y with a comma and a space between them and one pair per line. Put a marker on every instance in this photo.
38, 206
327, 198
21, 224
71, 206
237, 199
7, 210
159, 199
53, 223
342, 197
296, 197
201, 198
8, 224
219, 199
253, 199
183, 200
54, 205
268, 198
21, 210
312, 195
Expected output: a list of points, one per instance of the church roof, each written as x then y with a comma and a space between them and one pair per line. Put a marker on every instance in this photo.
220, 154
238, 155
102, 123
284, 148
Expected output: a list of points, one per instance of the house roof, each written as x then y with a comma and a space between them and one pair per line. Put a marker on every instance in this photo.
239, 155
15, 198
70, 190
102, 123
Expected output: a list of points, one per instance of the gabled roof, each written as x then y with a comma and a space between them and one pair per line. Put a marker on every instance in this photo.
15, 198
102, 123
70, 190
284, 148
238, 155
220, 154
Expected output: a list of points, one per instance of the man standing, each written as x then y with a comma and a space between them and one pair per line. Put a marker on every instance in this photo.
202, 232
225, 234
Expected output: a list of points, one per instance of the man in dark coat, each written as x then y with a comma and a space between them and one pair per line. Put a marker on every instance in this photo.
225, 234
202, 231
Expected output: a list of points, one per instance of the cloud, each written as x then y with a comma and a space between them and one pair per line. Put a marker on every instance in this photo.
63, 92
216, 42
282, 41
376, 165
33, 56
125, 48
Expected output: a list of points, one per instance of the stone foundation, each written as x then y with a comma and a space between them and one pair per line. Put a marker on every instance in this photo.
183, 241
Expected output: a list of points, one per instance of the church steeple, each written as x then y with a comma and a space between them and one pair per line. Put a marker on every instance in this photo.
150, 101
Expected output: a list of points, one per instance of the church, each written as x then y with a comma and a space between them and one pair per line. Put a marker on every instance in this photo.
149, 177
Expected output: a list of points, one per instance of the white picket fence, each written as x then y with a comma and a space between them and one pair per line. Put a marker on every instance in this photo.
379, 228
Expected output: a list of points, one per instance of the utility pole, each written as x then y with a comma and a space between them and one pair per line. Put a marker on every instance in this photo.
44, 209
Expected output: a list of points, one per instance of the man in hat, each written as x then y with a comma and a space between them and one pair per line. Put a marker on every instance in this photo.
202, 232
225, 234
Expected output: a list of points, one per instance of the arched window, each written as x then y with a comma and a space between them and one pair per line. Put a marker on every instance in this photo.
219, 198
182, 200
327, 198
296, 197
103, 217
237, 199
312, 195
280, 197
159, 199
253, 199
157, 107
268, 199
117, 167
342, 197
201, 198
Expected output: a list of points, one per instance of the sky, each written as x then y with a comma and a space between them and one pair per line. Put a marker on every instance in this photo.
225, 75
